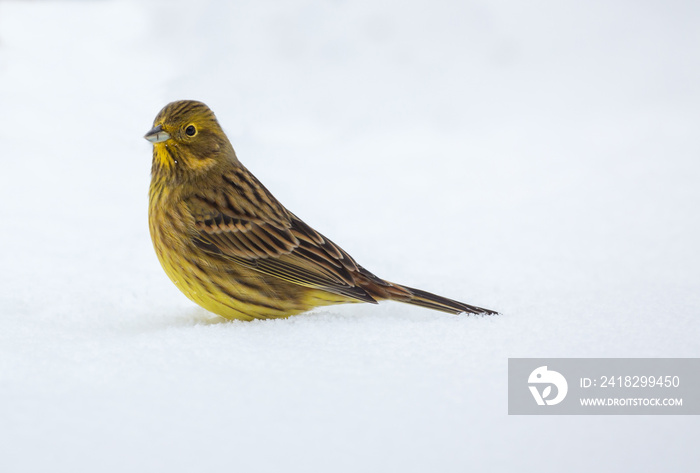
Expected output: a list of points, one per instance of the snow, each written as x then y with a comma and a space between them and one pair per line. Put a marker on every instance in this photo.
540, 160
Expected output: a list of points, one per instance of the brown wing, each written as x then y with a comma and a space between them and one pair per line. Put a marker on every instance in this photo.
243, 222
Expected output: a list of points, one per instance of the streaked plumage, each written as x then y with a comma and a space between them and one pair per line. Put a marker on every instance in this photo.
231, 247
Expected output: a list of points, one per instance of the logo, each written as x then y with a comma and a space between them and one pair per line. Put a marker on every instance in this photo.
542, 375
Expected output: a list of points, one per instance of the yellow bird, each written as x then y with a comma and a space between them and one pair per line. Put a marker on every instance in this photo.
231, 247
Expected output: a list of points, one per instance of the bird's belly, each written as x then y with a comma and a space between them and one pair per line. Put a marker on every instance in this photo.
236, 292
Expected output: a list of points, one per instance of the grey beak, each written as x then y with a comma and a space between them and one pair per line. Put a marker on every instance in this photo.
157, 135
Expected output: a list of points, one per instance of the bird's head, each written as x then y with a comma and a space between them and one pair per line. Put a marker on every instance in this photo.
188, 142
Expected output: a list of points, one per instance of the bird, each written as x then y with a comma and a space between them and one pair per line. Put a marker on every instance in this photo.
230, 246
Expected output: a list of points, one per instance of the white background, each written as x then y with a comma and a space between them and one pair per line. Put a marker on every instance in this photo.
537, 158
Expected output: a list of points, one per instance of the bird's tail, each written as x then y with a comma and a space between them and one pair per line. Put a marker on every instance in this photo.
409, 295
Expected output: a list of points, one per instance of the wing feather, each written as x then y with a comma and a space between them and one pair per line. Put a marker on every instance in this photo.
268, 238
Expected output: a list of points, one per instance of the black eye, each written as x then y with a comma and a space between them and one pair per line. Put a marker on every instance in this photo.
191, 130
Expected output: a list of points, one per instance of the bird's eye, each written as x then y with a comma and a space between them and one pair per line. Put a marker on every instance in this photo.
191, 130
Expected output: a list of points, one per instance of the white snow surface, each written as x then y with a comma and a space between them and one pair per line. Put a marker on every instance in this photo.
540, 159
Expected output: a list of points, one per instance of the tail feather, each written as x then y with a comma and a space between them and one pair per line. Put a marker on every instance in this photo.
410, 295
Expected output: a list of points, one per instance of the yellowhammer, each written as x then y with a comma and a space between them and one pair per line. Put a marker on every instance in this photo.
231, 247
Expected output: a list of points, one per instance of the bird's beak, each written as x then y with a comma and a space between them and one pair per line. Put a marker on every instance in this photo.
157, 135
